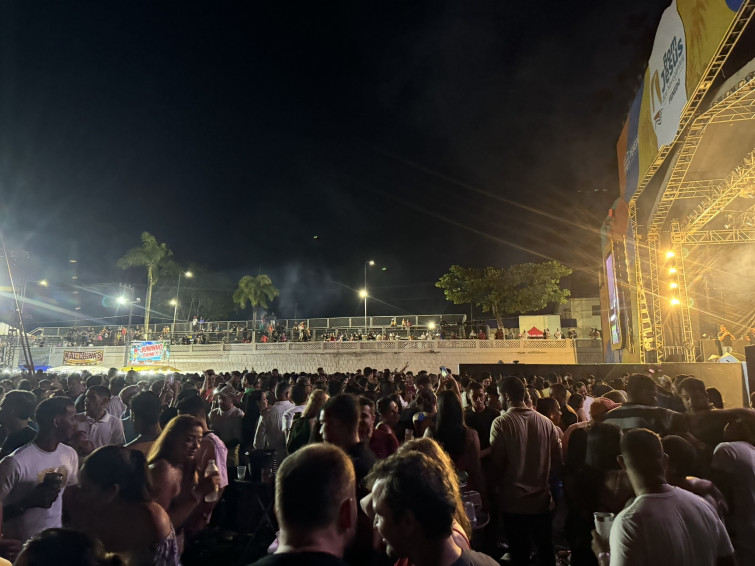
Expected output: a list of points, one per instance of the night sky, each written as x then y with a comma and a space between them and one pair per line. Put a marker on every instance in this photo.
419, 134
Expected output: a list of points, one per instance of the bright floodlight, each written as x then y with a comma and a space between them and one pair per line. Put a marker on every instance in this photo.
43, 283
674, 301
188, 274
431, 325
122, 300
363, 293
371, 262
672, 270
674, 285
173, 302
670, 254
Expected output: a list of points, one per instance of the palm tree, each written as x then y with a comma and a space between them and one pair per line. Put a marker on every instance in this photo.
149, 255
257, 290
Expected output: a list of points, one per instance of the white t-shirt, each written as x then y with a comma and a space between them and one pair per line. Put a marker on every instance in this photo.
738, 460
674, 528
23, 469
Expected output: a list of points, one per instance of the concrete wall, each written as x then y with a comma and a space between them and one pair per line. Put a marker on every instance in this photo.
581, 309
427, 355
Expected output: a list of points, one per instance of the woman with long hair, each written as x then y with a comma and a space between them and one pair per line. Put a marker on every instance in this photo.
254, 404
177, 485
114, 490
460, 441
303, 428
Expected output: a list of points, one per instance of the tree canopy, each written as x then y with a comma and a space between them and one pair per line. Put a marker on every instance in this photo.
258, 291
150, 254
518, 289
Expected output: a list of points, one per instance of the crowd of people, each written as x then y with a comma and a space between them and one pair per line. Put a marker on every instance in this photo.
378, 467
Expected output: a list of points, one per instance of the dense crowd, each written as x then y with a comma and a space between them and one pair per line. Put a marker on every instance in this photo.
377, 467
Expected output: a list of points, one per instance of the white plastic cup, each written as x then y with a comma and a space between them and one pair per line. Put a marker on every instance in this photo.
603, 522
241, 472
470, 511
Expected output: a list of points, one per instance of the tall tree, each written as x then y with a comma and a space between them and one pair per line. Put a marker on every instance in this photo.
150, 254
518, 289
258, 291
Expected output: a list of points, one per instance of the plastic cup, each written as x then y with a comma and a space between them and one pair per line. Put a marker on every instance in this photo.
241, 472
603, 522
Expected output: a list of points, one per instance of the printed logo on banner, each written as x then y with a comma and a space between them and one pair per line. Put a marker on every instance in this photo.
149, 352
83, 358
668, 76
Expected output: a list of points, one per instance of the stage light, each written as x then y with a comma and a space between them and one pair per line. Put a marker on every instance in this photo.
674, 285
122, 300
670, 254
675, 301
431, 325
672, 270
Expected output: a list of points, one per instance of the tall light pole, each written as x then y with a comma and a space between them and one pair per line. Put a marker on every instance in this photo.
174, 302
364, 293
42, 283
127, 339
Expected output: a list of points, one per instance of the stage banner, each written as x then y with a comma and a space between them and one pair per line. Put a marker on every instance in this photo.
150, 352
688, 37
83, 358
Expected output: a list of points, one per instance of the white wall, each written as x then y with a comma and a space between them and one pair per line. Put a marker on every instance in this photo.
428, 355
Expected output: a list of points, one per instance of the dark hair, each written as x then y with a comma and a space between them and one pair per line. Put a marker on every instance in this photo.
423, 380
366, 401
281, 388
117, 383
66, 547
692, 385
383, 405
193, 405
50, 408
681, 455
638, 384
426, 398
325, 466
21, 402
93, 380
576, 401
450, 431
546, 406
147, 407
25, 385
642, 450
114, 465
475, 386
344, 409
513, 388
412, 481
100, 390
171, 435
715, 397
603, 446
299, 394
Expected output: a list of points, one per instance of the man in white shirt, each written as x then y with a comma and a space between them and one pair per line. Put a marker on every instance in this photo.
271, 432
299, 398
96, 427
665, 524
32, 477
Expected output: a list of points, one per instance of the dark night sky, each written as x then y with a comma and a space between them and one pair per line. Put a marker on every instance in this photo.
416, 133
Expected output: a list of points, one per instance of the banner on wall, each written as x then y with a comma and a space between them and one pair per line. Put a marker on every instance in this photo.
83, 358
687, 38
149, 352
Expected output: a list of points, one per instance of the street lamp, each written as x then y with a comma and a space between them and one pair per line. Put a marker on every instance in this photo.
127, 338
174, 302
364, 293
41, 283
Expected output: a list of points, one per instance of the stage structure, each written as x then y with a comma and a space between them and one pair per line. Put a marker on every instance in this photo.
679, 242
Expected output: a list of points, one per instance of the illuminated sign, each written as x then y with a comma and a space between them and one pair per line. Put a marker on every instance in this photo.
83, 358
150, 352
